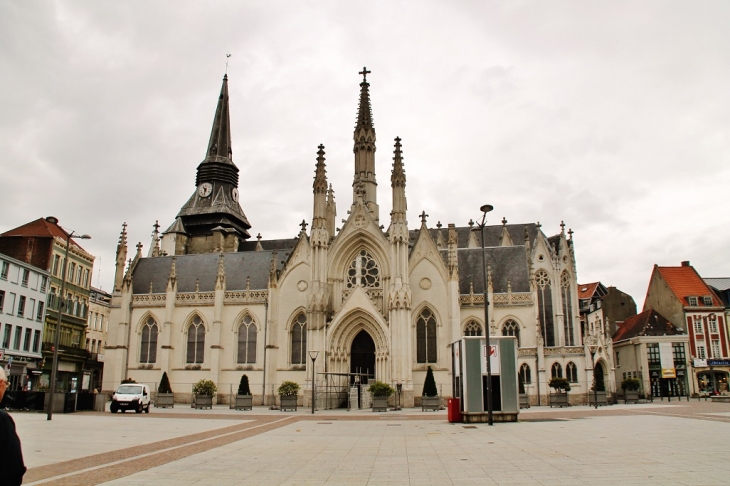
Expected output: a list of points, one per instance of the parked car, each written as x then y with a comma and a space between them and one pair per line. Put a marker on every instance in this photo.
131, 396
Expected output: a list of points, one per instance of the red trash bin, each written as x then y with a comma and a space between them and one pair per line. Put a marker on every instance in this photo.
454, 410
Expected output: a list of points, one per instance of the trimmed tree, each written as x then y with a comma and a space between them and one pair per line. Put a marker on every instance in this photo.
630, 384
164, 384
205, 387
380, 389
429, 386
243, 388
560, 384
288, 388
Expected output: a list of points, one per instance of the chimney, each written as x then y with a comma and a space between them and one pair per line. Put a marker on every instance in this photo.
685, 263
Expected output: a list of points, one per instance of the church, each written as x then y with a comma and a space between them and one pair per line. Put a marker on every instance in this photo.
376, 299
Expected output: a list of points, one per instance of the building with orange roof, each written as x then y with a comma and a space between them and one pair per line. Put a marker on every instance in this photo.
680, 294
42, 244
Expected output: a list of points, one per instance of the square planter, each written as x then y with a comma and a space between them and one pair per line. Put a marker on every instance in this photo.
288, 402
430, 403
524, 400
165, 400
597, 396
244, 402
203, 401
559, 400
380, 404
631, 396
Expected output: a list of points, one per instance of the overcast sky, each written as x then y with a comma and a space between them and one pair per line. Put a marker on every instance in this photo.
611, 116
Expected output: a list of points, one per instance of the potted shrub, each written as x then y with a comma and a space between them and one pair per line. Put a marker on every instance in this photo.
430, 396
631, 386
244, 400
380, 391
288, 395
560, 397
165, 397
203, 392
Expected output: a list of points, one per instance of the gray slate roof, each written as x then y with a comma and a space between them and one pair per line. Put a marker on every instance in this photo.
204, 267
508, 263
492, 234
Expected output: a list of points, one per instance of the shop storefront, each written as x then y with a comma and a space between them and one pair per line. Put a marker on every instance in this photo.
712, 376
667, 369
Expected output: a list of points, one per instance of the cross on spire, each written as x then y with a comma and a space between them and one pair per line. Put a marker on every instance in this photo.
423, 216
139, 247
562, 226
228, 55
304, 225
471, 223
439, 225
364, 73
570, 233
504, 221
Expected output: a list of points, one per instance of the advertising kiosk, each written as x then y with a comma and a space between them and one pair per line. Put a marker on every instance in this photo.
469, 356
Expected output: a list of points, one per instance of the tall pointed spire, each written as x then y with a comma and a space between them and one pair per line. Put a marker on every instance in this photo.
364, 182
398, 176
215, 201
320, 173
398, 223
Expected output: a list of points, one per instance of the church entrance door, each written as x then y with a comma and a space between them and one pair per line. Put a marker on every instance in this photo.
362, 357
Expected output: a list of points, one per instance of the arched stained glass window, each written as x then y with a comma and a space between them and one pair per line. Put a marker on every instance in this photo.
299, 340
473, 328
363, 271
545, 307
511, 328
556, 371
247, 333
571, 372
196, 341
426, 337
148, 344
566, 299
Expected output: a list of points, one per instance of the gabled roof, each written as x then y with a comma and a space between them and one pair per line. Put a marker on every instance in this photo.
41, 228
684, 281
586, 291
648, 323
720, 283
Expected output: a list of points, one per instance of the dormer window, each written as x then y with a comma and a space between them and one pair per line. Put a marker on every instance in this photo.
707, 300
692, 300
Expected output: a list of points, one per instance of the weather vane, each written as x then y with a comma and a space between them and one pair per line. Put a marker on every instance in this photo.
228, 54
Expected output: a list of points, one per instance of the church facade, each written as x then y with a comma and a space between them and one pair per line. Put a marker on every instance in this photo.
375, 298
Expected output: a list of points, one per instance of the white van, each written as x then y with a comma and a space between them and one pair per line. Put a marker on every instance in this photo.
131, 396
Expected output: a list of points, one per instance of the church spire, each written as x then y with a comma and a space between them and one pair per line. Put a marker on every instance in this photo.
320, 173
364, 150
398, 183
219, 144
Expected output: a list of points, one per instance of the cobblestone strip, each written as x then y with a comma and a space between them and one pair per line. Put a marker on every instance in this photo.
128, 461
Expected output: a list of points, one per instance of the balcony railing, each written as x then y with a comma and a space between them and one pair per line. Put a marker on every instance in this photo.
70, 307
67, 350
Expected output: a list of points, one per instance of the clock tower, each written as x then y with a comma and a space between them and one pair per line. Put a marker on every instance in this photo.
212, 220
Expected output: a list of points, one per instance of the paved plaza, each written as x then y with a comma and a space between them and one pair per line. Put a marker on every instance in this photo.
661, 443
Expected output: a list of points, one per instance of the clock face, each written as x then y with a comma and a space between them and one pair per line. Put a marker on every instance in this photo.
234, 193
205, 189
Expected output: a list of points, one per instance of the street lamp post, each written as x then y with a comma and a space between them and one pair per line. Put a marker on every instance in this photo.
485, 209
57, 336
313, 356
592, 347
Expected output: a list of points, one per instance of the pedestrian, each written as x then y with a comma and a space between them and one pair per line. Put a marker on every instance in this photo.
12, 467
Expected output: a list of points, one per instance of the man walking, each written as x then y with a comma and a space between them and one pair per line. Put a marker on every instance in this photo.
12, 467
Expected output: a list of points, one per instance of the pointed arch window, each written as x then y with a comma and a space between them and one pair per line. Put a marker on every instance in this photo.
525, 377
511, 328
247, 333
556, 371
545, 307
148, 343
566, 299
473, 328
196, 341
571, 372
363, 271
299, 340
426, 337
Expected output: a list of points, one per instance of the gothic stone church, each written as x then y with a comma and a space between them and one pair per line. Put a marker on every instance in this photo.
208, 302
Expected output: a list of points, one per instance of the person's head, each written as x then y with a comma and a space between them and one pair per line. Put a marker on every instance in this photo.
3, 382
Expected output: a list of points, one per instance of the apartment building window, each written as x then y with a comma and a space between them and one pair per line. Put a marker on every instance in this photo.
44, 282
680, 358
716, 348
618, 360
31, 308
26, 341
4, 271
21, 306
39, 315
71, 272
26, 276
712, 322
701, 351
11, 303
18, 335
6, 336
56, 261
2, 299
707, 300
692, 300
36, 341
86, 278
88, 346
698, 325
652, 352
